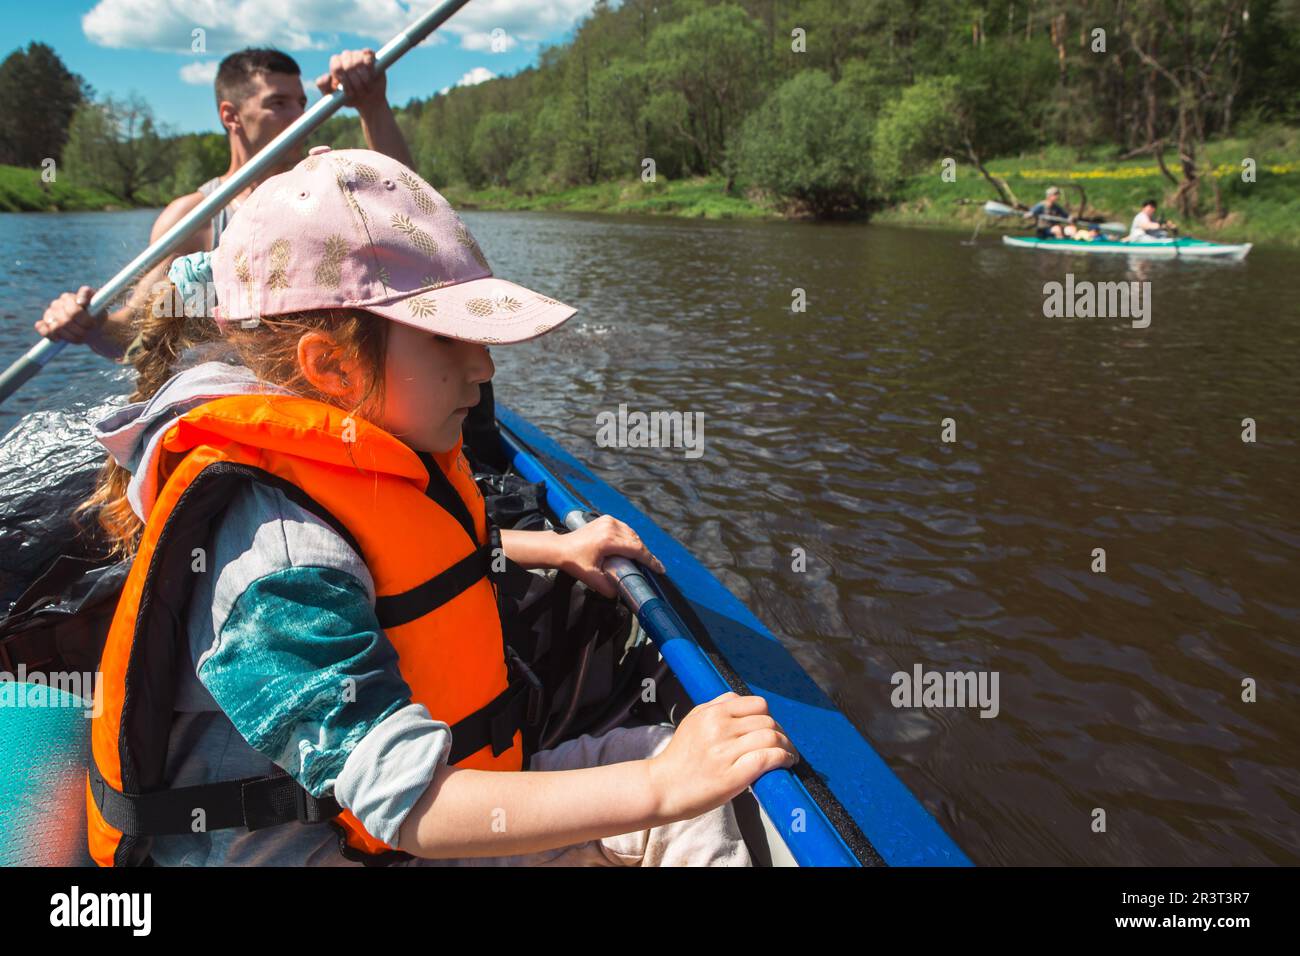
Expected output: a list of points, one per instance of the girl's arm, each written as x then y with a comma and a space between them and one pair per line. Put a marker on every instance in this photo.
718, 750
471, 813
580, 553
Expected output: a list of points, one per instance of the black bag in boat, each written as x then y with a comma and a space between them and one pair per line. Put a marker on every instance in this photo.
58, 588
48, 465
60, 623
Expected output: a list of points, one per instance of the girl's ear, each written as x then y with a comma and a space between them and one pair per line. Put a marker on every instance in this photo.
324, 366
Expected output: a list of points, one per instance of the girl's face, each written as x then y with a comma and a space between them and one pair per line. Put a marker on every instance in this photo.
430, 384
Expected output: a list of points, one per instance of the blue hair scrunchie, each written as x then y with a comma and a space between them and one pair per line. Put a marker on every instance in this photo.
192, 275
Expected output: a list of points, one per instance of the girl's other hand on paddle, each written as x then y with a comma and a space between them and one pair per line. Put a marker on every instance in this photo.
718, 750
66, 319
355, 71
582, 552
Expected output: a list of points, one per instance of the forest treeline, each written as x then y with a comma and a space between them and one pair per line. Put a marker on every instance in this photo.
824, 105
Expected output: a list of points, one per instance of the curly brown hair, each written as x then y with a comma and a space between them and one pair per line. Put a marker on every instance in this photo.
269, 348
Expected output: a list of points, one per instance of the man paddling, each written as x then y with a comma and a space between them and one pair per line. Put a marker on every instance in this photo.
1050, 206
259, 95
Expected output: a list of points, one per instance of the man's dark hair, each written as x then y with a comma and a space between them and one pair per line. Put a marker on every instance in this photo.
1149, 202
236, 73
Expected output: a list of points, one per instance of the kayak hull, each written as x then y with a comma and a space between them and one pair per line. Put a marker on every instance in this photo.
1154, 248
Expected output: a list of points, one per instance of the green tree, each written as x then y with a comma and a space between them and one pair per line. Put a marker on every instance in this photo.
808, 143
115, 145
918, 126
992, 105
500, 140
706, 71
557, 160
38, 97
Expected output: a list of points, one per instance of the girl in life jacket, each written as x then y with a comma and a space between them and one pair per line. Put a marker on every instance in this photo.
309, 632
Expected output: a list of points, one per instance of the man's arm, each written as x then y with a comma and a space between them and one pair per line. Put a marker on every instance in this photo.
367, 93
67, 319
383, 135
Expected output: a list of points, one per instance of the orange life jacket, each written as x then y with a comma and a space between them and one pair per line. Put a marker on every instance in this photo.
410, 524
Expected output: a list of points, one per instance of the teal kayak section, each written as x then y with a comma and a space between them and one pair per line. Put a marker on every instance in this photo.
44, 746
1165, 248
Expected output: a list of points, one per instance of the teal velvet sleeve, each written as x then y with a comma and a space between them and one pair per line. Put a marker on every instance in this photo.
304, 671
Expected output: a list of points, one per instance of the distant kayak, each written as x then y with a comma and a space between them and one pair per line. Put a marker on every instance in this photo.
1160, 248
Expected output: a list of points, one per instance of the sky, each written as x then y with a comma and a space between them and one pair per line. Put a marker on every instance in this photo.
148, 46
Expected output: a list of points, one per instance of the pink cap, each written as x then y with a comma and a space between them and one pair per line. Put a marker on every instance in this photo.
352, 228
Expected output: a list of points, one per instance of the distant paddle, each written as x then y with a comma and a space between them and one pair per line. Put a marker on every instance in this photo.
1001, 209
40, 353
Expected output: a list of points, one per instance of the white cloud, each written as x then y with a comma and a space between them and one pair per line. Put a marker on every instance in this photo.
203, 73
316, 24
498, 41
480, 74
527, 21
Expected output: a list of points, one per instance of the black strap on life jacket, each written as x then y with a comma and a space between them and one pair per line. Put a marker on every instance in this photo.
441, 491
143, 809
394, 610
252, 802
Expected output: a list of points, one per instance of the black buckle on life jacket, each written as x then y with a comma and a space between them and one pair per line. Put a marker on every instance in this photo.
351, 853
536, 697
315, 809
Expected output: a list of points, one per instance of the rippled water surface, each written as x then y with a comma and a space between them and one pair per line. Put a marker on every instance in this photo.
1120, 691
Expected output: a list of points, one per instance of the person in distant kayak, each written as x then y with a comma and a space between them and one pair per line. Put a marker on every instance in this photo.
1050, 206
1146, 225
341, 625
259, 95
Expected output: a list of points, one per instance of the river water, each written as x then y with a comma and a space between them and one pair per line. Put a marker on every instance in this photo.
1118, 691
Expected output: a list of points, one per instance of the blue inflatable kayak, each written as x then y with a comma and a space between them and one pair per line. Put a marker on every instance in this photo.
841, 806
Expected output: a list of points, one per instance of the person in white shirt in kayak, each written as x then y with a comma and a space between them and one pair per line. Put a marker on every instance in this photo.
1146, 225
259, 94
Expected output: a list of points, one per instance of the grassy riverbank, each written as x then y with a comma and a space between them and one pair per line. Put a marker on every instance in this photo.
21, 190
1266, 211
702, 197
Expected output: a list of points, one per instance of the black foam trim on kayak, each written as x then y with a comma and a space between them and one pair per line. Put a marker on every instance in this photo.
812, 781
840, 818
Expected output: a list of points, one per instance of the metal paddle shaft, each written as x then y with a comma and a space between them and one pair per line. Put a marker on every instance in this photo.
39, 354
1001, 209
633, 587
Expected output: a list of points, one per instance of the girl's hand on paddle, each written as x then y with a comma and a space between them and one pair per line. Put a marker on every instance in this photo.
67, 320
718, 750
355, 71
581, 553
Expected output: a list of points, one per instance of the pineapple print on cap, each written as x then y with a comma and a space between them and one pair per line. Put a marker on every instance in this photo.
465, 239
422, 199
328, 273
353, 228
279, 255
419, 238
483, 307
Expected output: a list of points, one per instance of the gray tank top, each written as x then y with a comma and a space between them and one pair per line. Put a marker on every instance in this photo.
222, 218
